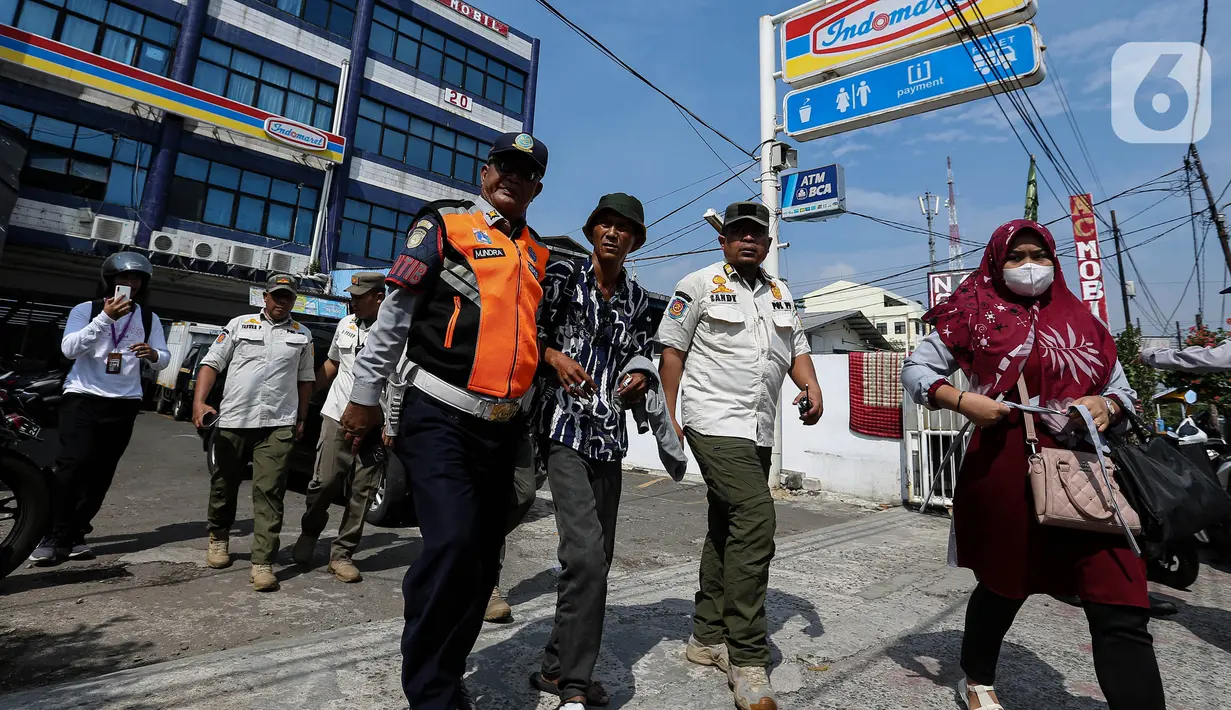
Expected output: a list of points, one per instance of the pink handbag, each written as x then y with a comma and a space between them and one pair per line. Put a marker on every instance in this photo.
1071, 487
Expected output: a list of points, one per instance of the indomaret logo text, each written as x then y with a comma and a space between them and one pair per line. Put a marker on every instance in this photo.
295, 134
885, 20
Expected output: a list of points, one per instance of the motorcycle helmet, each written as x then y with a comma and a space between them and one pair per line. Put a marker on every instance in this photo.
126, 261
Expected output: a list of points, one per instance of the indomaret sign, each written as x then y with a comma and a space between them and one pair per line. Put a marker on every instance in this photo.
1089, 261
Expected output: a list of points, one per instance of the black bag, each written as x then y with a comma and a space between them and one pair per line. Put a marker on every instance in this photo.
1174, 497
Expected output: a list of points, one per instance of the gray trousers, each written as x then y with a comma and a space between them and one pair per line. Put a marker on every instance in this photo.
334, 464
525, 484
587, 499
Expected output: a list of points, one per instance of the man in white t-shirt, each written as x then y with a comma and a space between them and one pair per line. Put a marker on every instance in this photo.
335, 461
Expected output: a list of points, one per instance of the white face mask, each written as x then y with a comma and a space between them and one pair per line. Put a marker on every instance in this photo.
1029, 279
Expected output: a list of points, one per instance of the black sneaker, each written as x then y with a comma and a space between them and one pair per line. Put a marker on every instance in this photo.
79, 550
49, 551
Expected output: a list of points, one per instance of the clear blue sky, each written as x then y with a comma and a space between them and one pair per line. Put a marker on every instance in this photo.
608, 132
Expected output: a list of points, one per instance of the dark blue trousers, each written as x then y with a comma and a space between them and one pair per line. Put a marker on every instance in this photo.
460, 471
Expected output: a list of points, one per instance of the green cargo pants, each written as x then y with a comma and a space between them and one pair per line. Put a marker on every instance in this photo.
730, 604
335, 464
269, 450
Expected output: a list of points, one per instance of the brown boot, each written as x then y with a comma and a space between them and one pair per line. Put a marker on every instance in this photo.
498, 610
263, 579
345, 570
218, 555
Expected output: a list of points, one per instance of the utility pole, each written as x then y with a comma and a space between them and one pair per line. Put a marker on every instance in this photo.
1219, 223
769, 190
1115, 231
1179, 341
930, 204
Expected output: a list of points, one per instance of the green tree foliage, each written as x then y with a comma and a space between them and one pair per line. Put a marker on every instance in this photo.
1143, 379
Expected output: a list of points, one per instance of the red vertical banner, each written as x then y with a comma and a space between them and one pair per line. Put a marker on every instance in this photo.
1089, 262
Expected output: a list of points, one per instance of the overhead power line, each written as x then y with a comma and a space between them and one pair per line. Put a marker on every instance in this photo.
602, 48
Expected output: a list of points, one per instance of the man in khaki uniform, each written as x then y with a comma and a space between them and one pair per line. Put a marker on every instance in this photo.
731, 336
268, 360
335, 461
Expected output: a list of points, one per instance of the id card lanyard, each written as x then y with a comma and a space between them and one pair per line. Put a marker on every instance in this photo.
115, 359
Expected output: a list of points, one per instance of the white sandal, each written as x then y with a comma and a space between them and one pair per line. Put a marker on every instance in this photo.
981, 692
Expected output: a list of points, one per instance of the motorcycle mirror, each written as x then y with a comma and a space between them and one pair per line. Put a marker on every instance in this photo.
1190, 397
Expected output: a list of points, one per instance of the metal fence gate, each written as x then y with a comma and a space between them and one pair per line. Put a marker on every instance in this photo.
927, 436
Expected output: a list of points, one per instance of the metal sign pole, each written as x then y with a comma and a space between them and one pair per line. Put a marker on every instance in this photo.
769, 195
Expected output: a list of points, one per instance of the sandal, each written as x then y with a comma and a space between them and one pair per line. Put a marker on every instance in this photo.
596, 695
981, 692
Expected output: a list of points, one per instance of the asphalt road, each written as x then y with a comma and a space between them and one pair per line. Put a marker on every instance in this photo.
148, 597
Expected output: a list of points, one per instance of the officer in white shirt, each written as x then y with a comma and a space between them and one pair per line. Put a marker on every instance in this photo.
731, 334
335, 461
268, 359
106, 339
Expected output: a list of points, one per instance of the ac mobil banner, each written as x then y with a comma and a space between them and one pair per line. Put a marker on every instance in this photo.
1089, 262
849, 35
80, 67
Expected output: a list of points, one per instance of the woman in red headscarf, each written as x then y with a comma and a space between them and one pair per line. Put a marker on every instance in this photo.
1014, 316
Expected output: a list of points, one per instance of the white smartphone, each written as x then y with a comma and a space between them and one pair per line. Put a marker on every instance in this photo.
123, 293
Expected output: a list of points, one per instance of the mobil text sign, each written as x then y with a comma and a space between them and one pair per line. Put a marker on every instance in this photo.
942, 284
849, 35
814, 194
1006, 60
1089, 261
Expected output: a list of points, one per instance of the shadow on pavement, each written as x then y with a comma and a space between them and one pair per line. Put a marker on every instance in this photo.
45, 658
632, 632
1206, 623
126, 543
1022, 678
60, 575
531, 588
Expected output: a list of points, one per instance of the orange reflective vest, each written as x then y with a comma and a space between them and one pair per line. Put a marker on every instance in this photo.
478, 327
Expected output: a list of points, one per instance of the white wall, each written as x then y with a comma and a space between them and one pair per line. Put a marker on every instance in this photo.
829, 455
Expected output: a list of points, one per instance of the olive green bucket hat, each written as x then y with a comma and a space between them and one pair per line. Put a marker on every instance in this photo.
624, 205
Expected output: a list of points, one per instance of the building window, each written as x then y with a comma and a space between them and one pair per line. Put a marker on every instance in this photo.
422, 144
257, 82
219, 194
440, 57
372, 231
100, 27
336, 16
883, 328
918, 327
81, 161
899, 327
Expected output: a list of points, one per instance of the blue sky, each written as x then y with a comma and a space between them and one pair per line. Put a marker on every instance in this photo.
608, 132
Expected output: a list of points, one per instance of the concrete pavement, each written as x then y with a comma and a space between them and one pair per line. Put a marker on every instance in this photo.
863, 614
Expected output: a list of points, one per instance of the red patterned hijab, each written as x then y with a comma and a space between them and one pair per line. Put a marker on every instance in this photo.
991, 331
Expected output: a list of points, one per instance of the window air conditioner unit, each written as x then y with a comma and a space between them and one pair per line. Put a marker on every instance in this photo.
242, 255
205, 249
280, 261
165, 243
109, 229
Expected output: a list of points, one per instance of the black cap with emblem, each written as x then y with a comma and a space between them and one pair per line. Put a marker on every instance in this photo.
365, 281
281, 282
522, 144
739, 211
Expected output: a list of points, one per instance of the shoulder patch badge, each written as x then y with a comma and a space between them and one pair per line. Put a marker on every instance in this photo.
416, 237
677, 307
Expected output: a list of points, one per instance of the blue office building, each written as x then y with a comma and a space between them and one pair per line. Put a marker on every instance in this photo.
231, 138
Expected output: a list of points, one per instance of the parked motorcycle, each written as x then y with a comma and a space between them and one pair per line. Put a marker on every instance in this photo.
1177, 564
25, 489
